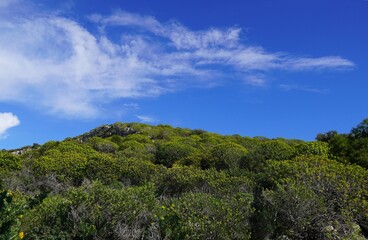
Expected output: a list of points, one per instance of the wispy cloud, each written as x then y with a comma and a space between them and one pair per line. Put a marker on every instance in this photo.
255, 80
146, 119
61, 67
7, 121
289, 87
332, 62
131, 106
180, 36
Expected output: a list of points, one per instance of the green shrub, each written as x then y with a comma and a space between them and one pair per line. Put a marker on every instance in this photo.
102, 145
139, 138
293, 211
9, 162
343, 188
102, 167
225, 156
312, 148
134, 149
275, 150
267, 150
203, 216
118, 140
178, 180
169, 152
48, 145
68, 166
94, 211
135, 172
12, 206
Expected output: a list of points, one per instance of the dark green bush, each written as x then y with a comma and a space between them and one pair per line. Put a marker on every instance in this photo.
203, 216
169, 152
225, 156
94, 211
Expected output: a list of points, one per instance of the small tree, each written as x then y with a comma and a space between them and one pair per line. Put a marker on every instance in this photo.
360, 131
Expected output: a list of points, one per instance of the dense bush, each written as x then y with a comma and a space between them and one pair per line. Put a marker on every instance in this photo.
94, 211
169, 152
136, 181
313, 148
103, 145
9, 162
340, 191
134, 149
12, 206
203, 216
225, 156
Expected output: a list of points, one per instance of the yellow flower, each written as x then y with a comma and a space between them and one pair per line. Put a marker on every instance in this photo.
20, 216
21, 235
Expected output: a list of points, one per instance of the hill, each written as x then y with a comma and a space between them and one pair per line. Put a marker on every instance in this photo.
137, 181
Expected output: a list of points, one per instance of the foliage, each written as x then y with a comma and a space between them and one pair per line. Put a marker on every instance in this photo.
8, 163
225, 156
178, 180
312, 148
203, 216
136, 172
169, 152
94, 211
275, 150
266, 150
139, 138
102, 167
12, 206
294, 211
134, 149
360, 131
102, 145
341, 188
351, 147
136, 181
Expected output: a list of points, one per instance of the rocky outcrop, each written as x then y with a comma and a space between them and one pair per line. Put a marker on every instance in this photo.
108, 130
20, 151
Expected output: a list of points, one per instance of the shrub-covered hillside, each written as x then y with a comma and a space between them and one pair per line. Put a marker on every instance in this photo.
136, 181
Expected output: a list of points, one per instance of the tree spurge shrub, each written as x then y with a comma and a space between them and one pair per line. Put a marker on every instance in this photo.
136, 181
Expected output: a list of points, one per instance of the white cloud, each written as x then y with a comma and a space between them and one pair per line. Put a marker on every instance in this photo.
61, 67
146, 119
57, 64
7, 121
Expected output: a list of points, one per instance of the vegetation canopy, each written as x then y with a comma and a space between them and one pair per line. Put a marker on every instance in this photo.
136, 181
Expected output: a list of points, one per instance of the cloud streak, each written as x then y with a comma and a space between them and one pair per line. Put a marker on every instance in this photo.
289, 87
146, 119
59, 66
7, 121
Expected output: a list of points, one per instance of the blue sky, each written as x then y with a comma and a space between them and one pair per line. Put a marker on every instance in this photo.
268, 68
